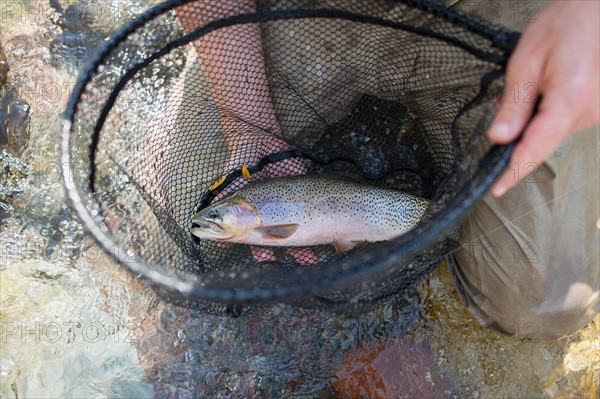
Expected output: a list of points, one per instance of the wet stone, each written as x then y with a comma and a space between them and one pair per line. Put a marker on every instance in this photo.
15, 114
12, 172
74, 48
4, 68
80, 37
75, 16
379, 137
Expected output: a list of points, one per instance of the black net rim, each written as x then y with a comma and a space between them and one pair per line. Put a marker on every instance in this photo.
185, 285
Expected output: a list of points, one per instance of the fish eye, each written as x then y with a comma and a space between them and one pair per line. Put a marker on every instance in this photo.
213, 215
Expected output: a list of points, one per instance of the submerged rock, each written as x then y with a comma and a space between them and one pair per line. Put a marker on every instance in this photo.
389, 369
12, 172
4, 68
80, 37
15, 114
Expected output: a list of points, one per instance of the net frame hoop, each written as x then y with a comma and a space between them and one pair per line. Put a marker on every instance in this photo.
189, 286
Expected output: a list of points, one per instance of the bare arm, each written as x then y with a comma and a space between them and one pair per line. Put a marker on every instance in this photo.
234, 63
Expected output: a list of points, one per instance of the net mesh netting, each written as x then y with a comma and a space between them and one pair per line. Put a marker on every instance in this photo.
194, 100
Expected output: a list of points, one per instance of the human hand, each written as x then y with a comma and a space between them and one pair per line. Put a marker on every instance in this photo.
560, 55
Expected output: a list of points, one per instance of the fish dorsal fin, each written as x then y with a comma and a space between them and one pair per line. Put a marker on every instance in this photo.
277, 231
343, 246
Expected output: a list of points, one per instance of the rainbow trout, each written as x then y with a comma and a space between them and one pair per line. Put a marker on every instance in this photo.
309, 210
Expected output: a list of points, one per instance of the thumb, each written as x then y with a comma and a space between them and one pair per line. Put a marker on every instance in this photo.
517, 105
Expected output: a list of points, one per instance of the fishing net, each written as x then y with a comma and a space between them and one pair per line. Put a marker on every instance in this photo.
166, 119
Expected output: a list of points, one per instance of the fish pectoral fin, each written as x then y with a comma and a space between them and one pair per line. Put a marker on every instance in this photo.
343, 246
277, 231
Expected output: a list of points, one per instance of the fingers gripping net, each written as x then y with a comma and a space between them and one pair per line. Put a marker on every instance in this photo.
194, 100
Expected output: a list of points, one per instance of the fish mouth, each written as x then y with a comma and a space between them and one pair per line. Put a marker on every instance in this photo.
208, 229
204, 224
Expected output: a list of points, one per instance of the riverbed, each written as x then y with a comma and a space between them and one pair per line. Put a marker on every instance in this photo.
75, 324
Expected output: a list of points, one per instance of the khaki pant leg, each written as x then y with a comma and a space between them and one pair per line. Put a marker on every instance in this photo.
529, 262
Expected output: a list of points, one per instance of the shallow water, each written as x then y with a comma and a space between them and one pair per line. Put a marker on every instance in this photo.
74, 324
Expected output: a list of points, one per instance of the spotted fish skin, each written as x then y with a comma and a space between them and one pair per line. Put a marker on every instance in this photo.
311, 210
